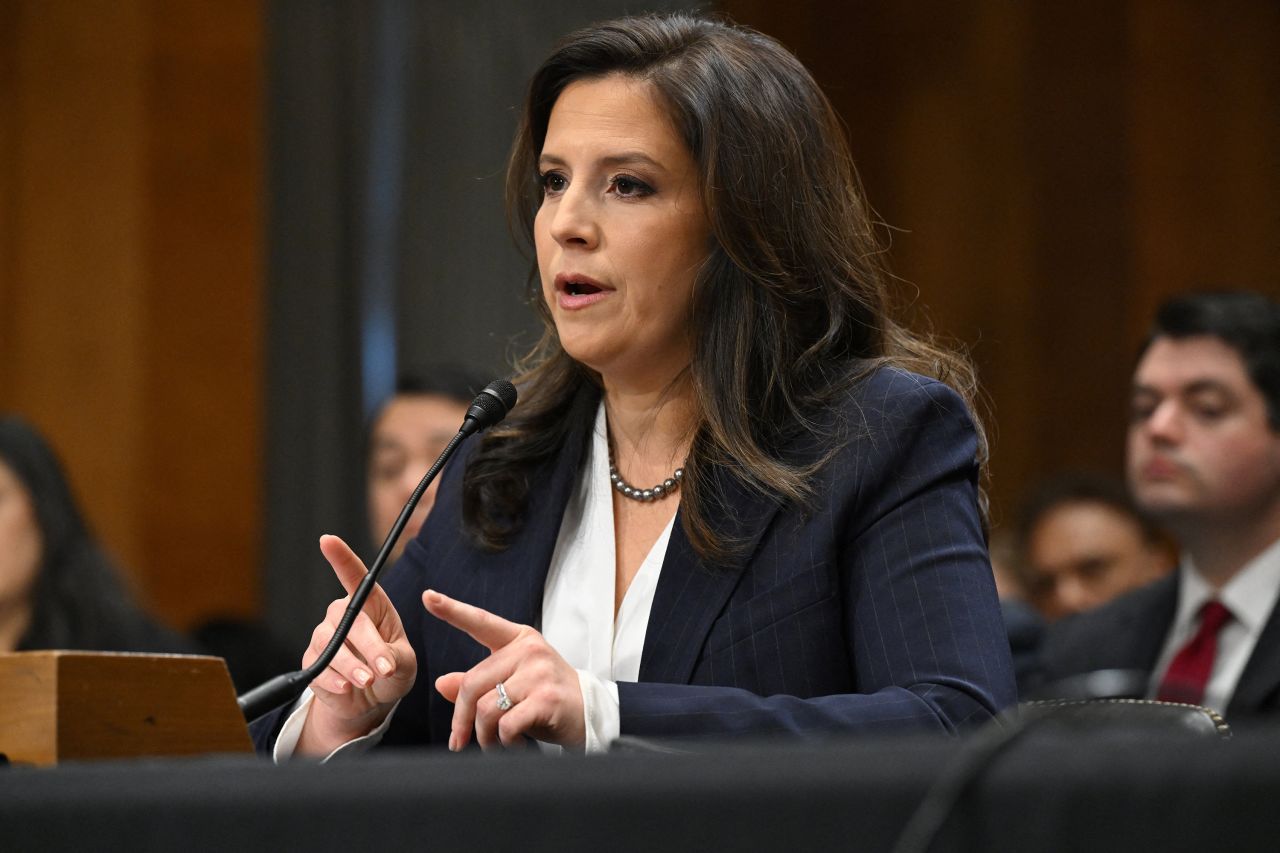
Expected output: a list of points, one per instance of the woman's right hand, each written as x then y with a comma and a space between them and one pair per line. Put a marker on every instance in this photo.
371, 672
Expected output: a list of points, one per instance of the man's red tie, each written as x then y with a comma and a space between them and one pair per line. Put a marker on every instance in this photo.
1189, 672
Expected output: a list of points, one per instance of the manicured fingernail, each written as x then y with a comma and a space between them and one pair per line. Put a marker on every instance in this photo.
383, 665
339, 684
453, 742
362, 677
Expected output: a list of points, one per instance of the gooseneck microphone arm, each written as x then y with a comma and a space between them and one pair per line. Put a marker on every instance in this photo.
490, 406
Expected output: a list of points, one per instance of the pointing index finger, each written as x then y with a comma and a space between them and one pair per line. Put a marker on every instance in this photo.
489, 630
346, 565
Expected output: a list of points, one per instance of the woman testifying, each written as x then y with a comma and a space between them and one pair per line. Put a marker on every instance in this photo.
736, 496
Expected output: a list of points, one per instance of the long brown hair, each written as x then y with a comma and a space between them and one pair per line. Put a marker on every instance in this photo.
791, 308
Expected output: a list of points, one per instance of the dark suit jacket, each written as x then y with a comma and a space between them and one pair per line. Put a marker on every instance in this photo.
1129, 632
873, 610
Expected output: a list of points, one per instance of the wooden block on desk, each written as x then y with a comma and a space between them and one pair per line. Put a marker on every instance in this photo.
76, 706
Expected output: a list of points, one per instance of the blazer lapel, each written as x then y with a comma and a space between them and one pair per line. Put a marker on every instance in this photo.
1150, 626
546, 513
1261, 676
511, 583
691, 594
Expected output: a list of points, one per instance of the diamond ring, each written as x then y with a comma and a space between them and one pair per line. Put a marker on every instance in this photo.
504, 701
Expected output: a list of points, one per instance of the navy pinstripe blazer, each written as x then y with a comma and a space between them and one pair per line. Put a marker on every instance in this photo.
874, 610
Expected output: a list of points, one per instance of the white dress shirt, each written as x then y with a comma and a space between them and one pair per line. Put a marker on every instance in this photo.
1250, 596
577, 607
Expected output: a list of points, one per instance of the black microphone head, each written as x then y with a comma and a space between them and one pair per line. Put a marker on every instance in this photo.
490, 406
504, 391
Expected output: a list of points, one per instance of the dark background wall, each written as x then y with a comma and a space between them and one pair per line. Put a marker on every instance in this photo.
223, 225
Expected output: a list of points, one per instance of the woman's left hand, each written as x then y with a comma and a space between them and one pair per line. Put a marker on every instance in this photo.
546, 699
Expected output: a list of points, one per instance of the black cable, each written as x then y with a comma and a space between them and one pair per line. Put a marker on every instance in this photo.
940, 800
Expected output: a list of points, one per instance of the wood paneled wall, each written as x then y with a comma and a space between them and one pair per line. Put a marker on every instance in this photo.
1056, 170
131, 277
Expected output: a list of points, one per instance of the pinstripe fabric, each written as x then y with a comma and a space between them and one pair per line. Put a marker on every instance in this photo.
875, 610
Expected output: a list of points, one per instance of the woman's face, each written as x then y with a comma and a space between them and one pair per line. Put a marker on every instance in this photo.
621, 231
20, 542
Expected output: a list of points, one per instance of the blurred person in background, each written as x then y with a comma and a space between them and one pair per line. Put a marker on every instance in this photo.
405, 436
1022, 622
58, 587
1203, 458
1081, 541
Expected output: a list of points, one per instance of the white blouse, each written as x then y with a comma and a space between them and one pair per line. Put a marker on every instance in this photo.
577, 607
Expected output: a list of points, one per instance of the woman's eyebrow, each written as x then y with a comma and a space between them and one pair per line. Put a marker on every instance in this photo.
622, 158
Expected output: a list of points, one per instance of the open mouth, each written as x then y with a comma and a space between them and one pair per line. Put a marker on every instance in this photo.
580, 288
576, 291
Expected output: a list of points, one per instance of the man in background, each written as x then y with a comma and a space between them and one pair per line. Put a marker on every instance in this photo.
1081, 542
1203, 458
405, 436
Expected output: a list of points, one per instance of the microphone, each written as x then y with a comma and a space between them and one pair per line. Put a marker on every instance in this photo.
488, 408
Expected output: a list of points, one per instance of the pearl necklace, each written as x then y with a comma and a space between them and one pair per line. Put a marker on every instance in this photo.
658, 492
